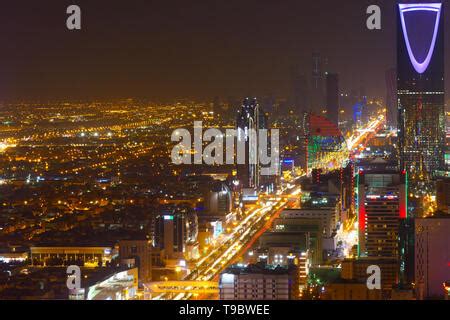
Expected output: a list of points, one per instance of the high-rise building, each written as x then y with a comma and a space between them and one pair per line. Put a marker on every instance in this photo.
170, 234
176, 232
250, 120
317, 90
381, 201
332, 98
432, 255
299, 87
420, 88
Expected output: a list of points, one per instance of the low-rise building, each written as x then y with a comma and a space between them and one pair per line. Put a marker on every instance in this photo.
119, 285
141, 252
345, 289
356, 269
60, 255
259, 282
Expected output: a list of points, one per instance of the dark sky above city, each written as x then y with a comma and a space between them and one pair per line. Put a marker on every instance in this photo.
169, 49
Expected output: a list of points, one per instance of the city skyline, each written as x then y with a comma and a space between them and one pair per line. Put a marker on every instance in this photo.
224, 151
143, 51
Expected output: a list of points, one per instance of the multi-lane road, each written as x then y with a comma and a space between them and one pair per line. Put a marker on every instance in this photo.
229, 247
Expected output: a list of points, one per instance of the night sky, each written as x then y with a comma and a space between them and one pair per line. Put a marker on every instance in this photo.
198, 49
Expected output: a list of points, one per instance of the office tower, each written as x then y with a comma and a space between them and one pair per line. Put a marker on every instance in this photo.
269, 172
259, 282
141, 252
381, 201
169, 233
299, 91
250, 120
432, 255
316, 70
391, 97
176, 231
332, 101
317, 84
420, 88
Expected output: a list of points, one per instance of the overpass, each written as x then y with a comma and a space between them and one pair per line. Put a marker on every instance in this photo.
195, 287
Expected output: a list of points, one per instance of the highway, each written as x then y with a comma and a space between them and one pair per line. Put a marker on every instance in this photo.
355, 142
231, 245
257, 220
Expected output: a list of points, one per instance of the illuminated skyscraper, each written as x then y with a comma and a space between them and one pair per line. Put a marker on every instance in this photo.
381, 206
250, 119
299, 93
420, 88
317, 92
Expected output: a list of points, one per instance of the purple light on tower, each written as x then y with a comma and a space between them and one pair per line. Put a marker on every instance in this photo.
420, 67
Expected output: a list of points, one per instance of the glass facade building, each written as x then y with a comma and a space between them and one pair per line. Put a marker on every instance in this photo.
250, 120
420, 88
